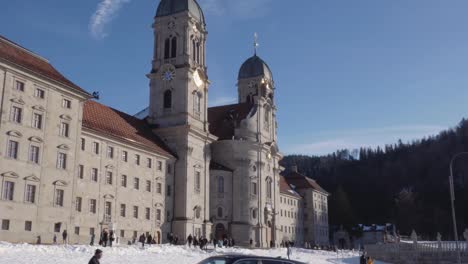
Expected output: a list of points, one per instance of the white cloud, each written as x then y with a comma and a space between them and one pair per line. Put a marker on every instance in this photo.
240, 9
105, 12
222, 101
370, 137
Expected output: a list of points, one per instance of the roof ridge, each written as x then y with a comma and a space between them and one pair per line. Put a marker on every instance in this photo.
16, 45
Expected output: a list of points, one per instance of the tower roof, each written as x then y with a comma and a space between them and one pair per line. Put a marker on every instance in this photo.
254, 67
170, 7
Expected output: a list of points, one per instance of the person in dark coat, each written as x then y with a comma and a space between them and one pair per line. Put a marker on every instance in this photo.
205, 243
195, 241
149, 240
170, 237
105, 238
111, 238
142, 240
215, 241
251, 242
97, 256
91, 243
55, 239
362, 259
190, 239
64, 236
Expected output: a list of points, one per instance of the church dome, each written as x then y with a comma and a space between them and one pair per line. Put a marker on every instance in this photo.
170, 7
254, 67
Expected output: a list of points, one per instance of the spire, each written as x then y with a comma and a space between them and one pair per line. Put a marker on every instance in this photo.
256, 43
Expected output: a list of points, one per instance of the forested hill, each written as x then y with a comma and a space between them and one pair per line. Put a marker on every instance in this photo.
405, 184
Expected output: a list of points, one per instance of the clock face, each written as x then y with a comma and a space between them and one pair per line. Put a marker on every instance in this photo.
251, 84
168, 73
171, 25
197, 79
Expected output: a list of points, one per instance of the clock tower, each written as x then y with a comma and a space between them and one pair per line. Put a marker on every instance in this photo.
178, 111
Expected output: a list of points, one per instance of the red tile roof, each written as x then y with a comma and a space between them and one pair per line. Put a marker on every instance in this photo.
224, 119
111, 122
300, 181
286, 189
15, 54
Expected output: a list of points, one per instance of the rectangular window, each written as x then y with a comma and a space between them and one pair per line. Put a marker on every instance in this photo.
30, 193
108, 210
64, 129
254, 188
197, 181
136, 183
109, 177
148, 214
34, 154
169, 168
159, 188
39, 93
124, 156
92, 206
66, 103
80, 172
19, 86
77, 230
160, 165
169, 191
5, 225
8, 190
135, 212
94, 174
149, 163
137, 159
28, 226
123, 181
123, 210
12, 150
16, 114
96, 148
122, 233
148, 186
37, 121
78, 204
158, 214
59, 194
110, 152
62, 161
83, 144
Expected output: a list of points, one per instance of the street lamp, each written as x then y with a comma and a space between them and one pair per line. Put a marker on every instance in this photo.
452, 200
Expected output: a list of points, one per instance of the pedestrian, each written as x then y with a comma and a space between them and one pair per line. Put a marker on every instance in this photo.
91, 243
111, 238
55, 239
38, 240
176, 239
189, 240
233, 242
170, 237
149, 239
64, 236
97, 256
215, 241
142, 240
251, 242
288, 250
105, 238
195, 241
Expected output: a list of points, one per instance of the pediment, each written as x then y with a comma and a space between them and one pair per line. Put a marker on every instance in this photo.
60, 183
39, 108
109, 196
36, 139
14, 133
110, 167
10, 174
64, 147
158, 205
66, 117
18, 101
159, 179
32, 178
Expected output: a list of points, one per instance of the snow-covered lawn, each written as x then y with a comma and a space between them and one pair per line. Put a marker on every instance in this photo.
27, 254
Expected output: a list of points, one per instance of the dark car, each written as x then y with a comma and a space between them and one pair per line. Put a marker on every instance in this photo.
239, 259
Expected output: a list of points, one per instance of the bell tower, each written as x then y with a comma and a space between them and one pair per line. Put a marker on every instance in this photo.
178, 110
178, 78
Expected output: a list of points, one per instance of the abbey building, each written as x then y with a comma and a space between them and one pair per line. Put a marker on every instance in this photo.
70, 163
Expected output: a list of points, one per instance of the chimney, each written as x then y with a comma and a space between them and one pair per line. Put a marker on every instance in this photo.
294, 168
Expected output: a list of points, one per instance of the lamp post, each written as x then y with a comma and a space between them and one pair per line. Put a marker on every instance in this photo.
452, 200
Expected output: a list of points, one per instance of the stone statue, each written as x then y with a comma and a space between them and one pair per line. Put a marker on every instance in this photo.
414, 237
465, 234
439, 240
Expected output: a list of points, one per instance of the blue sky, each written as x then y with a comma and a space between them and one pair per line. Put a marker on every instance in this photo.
348, 73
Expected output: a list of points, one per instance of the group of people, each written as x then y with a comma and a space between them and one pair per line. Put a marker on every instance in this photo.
201, 242
173, 239
106, 238
364, 259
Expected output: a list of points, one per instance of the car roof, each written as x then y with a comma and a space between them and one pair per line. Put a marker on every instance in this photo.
240, 257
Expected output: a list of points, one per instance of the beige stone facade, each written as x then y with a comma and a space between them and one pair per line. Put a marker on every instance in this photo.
70, 163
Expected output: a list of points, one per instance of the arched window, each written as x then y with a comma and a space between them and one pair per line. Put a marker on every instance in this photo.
167, 48
269, 188
174, 47
221, 185
197, 103
220, 212
168, 99
194, 50
267, 117
254, 213
198, 52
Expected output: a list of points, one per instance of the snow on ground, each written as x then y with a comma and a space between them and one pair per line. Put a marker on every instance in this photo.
161, 254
